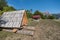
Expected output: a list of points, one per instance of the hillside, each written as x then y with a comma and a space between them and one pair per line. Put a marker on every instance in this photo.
45, 30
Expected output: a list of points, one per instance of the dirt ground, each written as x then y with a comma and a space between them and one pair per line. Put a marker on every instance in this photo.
45, 30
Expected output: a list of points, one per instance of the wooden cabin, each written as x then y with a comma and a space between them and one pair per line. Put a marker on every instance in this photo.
14, 19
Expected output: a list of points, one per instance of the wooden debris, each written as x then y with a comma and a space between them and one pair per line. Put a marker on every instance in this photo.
23, 31
15, 30
26, 32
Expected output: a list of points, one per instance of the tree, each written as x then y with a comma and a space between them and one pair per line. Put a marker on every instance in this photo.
4, 7
51, 17
2, 4
8, 8
29, 13
39, 13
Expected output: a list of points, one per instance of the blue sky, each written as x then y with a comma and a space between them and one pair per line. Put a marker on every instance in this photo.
52, 6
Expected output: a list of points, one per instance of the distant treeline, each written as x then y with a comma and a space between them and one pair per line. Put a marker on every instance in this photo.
42, 15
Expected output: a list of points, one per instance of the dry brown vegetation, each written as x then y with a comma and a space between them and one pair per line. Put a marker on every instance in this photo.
45, 30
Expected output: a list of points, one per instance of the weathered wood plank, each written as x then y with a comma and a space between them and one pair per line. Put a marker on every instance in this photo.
23, 31
29, 28
26, 32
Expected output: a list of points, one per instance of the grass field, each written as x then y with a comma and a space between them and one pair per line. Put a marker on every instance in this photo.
45, 30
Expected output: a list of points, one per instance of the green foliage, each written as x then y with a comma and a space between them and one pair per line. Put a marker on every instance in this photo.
2, 4
1, 12
39, 13
8, 8
51, 17
29, 14
4, 7
44, 17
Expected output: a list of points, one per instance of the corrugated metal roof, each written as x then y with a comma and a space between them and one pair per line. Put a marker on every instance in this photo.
12, 19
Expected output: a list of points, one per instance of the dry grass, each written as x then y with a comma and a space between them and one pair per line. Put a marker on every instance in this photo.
48, 30
13, 36
45, 30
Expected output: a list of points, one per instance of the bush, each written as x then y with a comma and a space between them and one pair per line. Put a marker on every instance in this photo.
51, 17
39, 13
1, 12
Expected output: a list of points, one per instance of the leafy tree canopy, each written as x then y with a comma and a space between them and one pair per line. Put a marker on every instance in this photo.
4, 7
8, 8
2, 4
38, 13
29, 14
